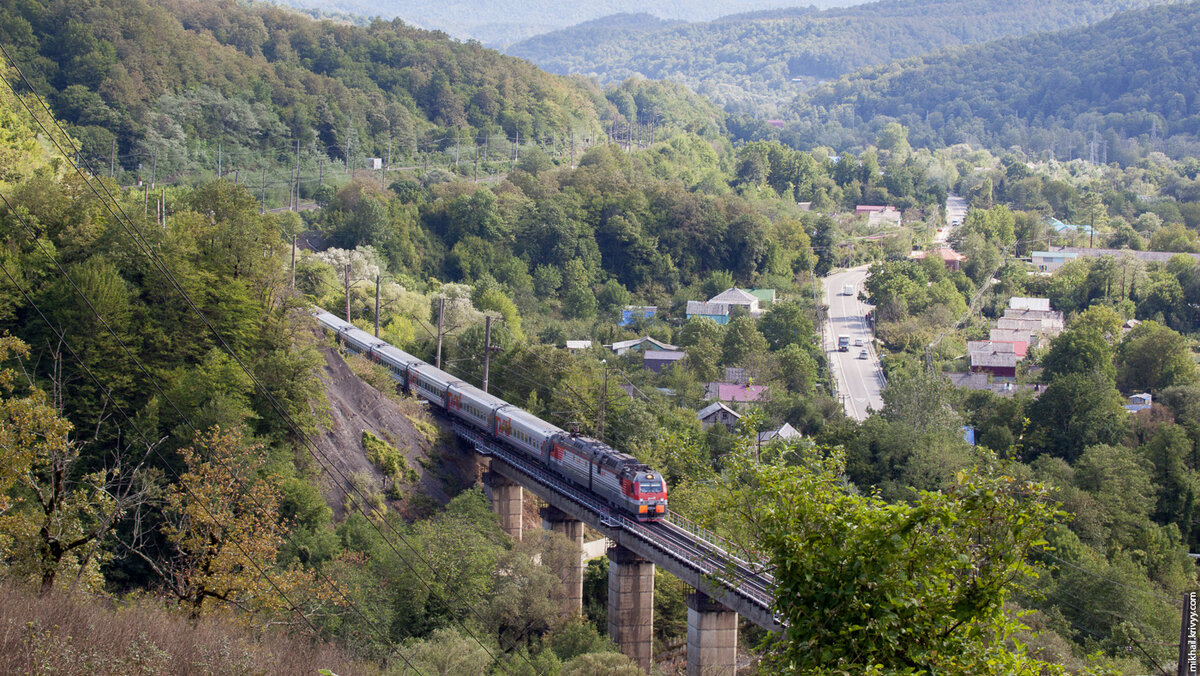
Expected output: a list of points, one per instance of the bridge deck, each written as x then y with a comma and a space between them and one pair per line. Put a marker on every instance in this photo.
681, 548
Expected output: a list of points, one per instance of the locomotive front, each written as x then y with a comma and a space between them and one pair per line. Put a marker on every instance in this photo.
647, 492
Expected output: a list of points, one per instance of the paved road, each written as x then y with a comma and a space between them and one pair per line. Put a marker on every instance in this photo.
956, 213
859, 381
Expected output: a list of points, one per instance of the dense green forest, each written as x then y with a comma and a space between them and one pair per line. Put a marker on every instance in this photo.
175, 86
502, 23
160, 378
1110, 92
755, 63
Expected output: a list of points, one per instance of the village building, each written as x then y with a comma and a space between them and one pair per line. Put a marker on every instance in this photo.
657, 360
643, 344
718, 413
950, 258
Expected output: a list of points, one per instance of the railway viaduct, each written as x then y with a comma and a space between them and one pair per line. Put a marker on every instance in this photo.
726, 586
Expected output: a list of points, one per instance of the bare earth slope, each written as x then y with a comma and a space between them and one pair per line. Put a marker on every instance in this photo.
355, 406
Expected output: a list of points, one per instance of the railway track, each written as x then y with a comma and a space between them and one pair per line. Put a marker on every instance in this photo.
706, 554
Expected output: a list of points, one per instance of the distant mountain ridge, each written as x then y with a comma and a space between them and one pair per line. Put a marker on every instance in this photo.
503, 22
768, 57
1110, 91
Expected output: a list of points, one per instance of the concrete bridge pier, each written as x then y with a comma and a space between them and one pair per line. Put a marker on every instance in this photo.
572, 574
711, 637
631, 605
507, 498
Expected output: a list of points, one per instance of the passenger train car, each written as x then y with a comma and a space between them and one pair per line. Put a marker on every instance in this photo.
617, 478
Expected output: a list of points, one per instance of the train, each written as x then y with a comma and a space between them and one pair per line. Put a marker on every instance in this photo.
617, 478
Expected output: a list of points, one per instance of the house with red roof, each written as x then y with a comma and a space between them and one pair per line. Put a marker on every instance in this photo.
950, 257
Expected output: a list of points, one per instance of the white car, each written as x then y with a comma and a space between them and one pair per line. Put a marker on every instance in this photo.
858, 342
862, 354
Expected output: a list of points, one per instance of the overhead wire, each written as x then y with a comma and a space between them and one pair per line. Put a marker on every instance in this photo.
158, 387
139, 240
150, 445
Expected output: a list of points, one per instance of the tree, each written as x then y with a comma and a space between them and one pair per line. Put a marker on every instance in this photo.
1152, 358
785, 323
601, 664
902, 587
742, 340
61, 512
223, 528
1076, 411
447, 653
1079, 350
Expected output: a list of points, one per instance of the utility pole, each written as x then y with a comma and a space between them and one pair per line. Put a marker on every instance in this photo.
154, 169
218, 160
487, 349
347, 292
293, 261
347, 149
376, 306
297, 175
601, 404
112, 162
263, 209
441, 320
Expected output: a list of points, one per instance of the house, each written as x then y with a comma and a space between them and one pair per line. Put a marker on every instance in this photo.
657, 360
1024, 303
951, 258
878, 215
717, 412
1059, 226
984, 381
1016, 347
739, 375
1051, 320
1055, 257
1139, 402
1049, 261
1013, 336
577, 345
1021, 324
632, 313
998, 358
735, 297
733, 392
718, 312
786, 432
718, 307
642, 344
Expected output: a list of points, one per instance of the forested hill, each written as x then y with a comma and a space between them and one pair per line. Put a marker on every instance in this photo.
503, 22
1126, 85
768, 57
180, 78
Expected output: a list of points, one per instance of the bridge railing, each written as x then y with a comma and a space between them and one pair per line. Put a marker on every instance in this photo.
716, 563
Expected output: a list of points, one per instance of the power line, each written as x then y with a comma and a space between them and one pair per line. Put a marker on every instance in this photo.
279, 409
167, 398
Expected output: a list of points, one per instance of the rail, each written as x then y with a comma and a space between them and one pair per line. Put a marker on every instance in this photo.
688, 544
